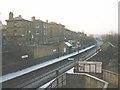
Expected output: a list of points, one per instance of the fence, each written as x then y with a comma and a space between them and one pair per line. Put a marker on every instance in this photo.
21, 64
39, 81
58, 83
77, 80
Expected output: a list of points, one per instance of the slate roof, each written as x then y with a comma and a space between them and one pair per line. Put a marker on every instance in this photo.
17, 18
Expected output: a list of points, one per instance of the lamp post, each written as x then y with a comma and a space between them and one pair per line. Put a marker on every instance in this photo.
78, 53
78, 49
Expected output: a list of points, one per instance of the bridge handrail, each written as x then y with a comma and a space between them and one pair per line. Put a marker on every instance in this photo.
47, 74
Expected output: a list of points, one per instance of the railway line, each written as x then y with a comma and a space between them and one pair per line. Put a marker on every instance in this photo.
39, 74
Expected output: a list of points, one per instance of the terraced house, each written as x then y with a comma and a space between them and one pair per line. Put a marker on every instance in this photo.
36, 31
35, 38
20, 30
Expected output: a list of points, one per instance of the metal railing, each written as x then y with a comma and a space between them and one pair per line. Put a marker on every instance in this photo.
61, 81
58, 82
39, 81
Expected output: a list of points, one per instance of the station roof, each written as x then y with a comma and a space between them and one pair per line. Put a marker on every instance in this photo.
68, 44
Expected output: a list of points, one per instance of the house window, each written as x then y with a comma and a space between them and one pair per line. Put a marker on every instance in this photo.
26, 32
37, 32
51, 32
37, 26
4, 42
15, 32
44, 32
44, 26
29, 31
22, 35
27, 42
14, 24
4, 33
32, 36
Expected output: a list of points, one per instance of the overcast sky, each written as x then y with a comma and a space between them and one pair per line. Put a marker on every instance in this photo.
90, 16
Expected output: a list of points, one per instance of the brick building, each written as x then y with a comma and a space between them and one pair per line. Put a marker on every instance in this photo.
4, 37
47, 33
20, 30
20, 35
36, 31
40, 30
55, 32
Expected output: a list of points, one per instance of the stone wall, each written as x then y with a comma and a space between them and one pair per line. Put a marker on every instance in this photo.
110, 77
93, 82
41, 51
79, 80
75, 81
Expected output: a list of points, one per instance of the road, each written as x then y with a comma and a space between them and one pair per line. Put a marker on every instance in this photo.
33, 75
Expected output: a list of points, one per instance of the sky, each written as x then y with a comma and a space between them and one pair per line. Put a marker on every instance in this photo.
89, 16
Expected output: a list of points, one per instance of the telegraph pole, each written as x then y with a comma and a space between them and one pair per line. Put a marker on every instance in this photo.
78, 53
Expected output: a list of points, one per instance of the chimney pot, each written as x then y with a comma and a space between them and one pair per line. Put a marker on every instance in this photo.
33, 18
47, 20
11, 15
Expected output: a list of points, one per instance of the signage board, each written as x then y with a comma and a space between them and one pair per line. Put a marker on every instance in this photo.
25, 56
64, 50
70, 58
90, 67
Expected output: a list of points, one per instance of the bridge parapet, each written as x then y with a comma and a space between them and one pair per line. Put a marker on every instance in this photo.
77, 80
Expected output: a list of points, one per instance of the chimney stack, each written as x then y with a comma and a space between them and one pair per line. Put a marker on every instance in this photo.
19, 15
47, 20
11, 15
33, 18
